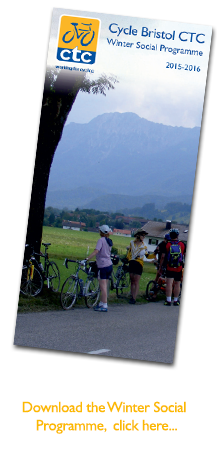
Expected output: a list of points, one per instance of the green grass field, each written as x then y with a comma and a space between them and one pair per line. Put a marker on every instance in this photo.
74, 245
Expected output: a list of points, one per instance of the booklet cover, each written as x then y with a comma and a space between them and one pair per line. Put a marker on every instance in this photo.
118, 122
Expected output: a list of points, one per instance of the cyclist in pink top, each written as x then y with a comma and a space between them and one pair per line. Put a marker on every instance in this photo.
104, 264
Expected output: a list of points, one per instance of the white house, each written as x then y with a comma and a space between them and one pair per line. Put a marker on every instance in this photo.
73, 225
157, 230
122, 232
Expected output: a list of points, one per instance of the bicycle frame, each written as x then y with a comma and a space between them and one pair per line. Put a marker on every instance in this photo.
46, 258
76, 274
49, 272
44, 270
29, 264
73, 288
42, 255
30, 271
112, 280
117, 276
31, 280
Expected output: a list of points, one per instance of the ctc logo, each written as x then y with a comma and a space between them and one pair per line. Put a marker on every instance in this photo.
86, 35
183, 38
78, 39
76, 55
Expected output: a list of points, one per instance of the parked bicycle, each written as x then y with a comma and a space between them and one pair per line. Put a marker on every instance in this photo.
158, 288
34, 273
154, 288
120, 280
74, 287
31, 280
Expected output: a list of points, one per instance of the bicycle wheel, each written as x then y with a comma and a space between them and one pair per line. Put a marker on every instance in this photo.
31, 285
53, 276
123, 285
92, 292
69, 293
118, 272
151, 291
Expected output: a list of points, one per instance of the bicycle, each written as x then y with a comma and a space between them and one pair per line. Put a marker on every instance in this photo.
82, 34
74, 287
121, 279
49, 272
154, 288
31, 280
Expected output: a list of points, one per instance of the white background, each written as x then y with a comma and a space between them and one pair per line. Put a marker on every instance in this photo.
200, 430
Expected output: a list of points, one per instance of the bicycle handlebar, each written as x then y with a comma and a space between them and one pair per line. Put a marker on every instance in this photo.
66, 261
34, 253
124, 260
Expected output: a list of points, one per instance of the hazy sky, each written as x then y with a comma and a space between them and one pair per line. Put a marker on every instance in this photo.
146, 86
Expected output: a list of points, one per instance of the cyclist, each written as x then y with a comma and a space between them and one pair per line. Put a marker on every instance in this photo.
175, 251
104, 264
136, 252
161, 263
160, 250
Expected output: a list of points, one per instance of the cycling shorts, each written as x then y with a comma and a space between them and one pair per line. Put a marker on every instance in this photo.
177, 276
105, 272
135, 267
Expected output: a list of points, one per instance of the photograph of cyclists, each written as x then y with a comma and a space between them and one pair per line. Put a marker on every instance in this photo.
119, 105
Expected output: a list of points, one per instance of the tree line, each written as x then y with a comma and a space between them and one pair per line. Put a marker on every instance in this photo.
92, 218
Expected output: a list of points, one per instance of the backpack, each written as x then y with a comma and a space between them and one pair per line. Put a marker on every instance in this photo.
175, 257
109, 241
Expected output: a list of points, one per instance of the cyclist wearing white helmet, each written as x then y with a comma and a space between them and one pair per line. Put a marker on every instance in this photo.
104, 264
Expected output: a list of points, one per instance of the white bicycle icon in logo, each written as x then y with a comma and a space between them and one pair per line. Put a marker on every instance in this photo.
86, 35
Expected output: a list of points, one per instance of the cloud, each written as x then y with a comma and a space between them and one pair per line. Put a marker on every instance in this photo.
170, 104
147, 86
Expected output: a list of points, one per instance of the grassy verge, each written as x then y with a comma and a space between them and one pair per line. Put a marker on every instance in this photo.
74, 245
46, 301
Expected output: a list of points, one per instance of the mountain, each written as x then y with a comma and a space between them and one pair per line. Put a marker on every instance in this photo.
98, 199
73, 198
122, 154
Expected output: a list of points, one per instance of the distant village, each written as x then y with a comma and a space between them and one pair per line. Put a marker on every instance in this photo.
121, 225
90, 220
